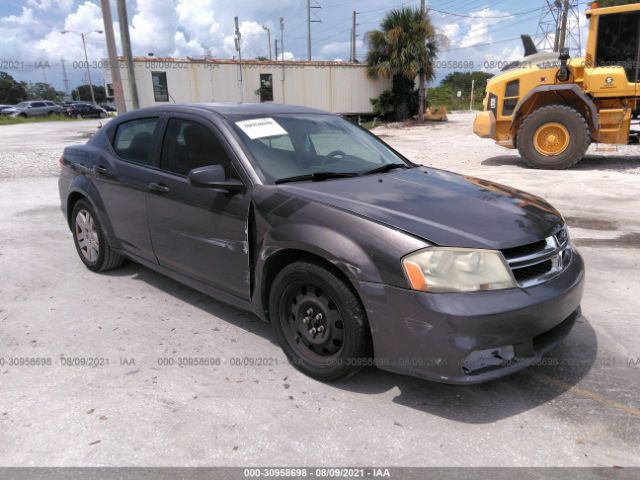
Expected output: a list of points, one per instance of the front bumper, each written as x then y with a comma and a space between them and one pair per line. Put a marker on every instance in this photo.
455, 338
484, 125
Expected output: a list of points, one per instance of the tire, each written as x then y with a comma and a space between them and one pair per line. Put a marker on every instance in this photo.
90, 241
23, 115
305, 296
103, 115
78, 116
554, 137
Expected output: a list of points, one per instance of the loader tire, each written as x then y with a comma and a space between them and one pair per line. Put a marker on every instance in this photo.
554, 137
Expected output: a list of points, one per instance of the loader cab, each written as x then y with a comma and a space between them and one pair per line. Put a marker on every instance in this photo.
613, 51
617, 43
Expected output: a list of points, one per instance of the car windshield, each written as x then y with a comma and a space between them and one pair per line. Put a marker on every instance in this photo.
22, 105
312, 146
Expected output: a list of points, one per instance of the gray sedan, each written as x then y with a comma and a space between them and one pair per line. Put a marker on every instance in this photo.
354, 254
40, 108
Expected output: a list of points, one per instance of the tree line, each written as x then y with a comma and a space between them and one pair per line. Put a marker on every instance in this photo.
13, 91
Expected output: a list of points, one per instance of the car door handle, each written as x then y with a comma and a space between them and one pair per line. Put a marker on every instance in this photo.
80, 167
158, 187
101, 170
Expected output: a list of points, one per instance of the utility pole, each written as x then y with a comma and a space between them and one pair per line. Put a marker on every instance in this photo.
550, 26
114, 65
123, 20
86, 58
237, 38
282, 50
563, 28
282, 37
353, 36
473, 86
309, 22
421, 77
268, 38
65, 80
276, 49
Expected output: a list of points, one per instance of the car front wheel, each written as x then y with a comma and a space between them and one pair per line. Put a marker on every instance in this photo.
90, 241
319, 322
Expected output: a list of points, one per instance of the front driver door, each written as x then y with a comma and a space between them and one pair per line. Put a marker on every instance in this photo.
198, 232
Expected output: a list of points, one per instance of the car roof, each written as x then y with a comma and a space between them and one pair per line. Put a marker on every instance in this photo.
238, 108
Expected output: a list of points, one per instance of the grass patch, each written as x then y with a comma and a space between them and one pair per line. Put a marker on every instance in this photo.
7, 120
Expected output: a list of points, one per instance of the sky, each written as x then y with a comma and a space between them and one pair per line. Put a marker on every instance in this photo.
482, 35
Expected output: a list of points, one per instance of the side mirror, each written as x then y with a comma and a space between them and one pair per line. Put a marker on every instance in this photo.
213, 176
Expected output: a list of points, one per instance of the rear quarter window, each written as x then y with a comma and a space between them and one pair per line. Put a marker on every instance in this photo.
133, 140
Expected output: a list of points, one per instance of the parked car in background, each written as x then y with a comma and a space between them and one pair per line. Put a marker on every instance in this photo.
109, 107
354, 254
36, 108
85, 110
4, 107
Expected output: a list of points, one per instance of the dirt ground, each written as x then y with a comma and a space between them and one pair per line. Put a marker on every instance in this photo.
582, 408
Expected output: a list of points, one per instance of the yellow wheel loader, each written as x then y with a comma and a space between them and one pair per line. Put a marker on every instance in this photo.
551, 107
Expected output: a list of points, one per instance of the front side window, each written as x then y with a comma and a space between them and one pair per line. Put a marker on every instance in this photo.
618, 42
134, 140
188, 145
283, 146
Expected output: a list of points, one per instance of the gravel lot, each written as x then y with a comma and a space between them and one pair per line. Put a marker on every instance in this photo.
583, 409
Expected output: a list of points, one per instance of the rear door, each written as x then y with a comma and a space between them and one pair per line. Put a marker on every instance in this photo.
37, 109
198, 232
120, 175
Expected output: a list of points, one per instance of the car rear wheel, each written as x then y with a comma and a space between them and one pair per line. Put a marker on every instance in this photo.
103, 115
78, 116
90, 241
319, 322
554, 137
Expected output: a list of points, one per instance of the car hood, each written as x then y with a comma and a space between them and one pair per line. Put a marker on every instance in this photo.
441, 207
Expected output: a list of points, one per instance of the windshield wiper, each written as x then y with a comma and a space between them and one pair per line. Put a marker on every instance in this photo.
316, 177
386, 168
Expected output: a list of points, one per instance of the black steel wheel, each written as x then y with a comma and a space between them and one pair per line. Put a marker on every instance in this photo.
319, 322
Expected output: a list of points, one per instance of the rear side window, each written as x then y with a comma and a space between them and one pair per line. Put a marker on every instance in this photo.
37, 104
188, 145
134, 140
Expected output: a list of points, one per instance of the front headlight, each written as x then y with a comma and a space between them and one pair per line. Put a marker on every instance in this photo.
443, 269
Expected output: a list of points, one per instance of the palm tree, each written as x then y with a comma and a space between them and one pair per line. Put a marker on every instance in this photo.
405, 45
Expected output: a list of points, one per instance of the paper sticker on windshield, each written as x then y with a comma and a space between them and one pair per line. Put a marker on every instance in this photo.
261, 128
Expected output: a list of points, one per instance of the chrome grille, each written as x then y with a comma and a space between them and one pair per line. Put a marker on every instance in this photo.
538, 262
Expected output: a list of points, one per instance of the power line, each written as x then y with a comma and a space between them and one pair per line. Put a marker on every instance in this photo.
484, 16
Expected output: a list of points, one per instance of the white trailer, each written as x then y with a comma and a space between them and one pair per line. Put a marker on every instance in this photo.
337, 87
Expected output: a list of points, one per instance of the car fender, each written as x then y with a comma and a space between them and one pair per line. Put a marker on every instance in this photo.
82, 185
334, 246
